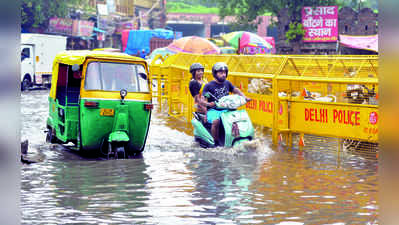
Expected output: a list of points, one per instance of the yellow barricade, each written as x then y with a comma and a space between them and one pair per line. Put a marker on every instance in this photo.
314, 94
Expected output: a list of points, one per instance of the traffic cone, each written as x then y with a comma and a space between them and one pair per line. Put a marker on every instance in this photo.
304, 93
301, 142
376, 96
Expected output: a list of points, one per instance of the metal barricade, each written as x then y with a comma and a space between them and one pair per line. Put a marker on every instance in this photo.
297, 96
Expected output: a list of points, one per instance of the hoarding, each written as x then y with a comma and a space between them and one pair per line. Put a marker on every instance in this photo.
82, 28
320, 23
60, 26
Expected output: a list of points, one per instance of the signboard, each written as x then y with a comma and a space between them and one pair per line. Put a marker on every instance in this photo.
335, 119
250, 50
320, 23
126, 26
143, 18
82, 28
102, 9
111, 6
60, 26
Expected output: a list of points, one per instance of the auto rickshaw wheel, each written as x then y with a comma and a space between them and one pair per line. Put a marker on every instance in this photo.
50, 137
120, 151
116, 151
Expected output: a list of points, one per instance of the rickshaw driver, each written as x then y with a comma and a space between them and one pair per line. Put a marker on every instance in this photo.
218, 88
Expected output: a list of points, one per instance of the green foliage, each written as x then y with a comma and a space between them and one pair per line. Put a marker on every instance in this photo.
36, 13
356, 4
295, 32
182, 7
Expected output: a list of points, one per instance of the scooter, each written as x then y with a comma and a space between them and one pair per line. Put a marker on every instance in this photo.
234, 129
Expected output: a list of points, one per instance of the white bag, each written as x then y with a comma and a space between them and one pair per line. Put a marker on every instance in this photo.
231, 102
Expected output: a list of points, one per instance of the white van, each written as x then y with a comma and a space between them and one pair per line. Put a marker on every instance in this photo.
37, 56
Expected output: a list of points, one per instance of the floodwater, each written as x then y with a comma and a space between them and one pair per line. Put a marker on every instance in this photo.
177, 182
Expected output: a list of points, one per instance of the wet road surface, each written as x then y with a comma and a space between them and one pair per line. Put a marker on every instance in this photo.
177, 182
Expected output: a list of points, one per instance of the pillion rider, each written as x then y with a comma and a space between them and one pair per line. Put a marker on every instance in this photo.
196, 86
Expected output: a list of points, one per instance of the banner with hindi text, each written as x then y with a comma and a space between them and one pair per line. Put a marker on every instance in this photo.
320, 23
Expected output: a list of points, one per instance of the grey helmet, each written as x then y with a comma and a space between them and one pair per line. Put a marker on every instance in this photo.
219, 66
194, 67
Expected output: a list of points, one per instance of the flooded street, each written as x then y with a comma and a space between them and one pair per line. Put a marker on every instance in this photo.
177, 182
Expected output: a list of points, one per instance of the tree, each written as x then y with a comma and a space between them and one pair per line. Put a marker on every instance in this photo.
36, 13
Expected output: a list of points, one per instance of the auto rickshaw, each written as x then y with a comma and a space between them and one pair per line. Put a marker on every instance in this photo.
100, 101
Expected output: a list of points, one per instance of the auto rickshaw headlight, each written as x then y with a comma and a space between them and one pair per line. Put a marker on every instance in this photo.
123, 93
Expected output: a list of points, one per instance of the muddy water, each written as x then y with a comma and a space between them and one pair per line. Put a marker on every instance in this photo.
176, 182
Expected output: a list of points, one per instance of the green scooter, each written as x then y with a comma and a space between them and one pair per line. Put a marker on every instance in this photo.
235, 127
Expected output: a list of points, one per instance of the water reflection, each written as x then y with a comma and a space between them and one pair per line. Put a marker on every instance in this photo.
85, 191
295, 188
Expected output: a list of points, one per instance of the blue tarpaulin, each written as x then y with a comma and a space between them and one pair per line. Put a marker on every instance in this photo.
137, 41
140, 39
162, 33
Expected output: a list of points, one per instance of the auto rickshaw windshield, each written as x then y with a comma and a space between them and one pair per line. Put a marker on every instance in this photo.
110, 76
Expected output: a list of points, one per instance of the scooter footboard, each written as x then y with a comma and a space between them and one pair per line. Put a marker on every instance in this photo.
201, 132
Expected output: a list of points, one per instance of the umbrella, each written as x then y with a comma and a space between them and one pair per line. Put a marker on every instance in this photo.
247, 39
194, 44
159, 51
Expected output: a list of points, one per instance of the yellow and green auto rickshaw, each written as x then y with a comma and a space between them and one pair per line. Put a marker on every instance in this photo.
100, 101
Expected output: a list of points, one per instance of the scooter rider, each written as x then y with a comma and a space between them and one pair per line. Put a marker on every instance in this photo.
196, 86
218, 88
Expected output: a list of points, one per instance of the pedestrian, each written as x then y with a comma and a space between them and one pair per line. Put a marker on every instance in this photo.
142, 54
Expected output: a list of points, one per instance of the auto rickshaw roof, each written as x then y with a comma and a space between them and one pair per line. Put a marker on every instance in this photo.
71, 57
